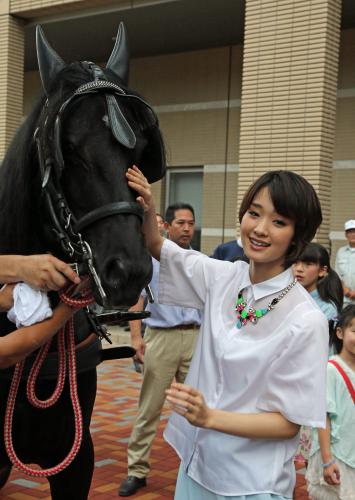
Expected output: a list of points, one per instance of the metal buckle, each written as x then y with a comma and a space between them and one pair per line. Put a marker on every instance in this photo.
92, 270
100, 330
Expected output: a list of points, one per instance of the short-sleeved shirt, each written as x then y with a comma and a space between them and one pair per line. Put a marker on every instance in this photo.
163, 316
277, 365
341, 410
345, 267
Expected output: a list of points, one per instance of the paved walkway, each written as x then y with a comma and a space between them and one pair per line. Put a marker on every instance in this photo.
113, 416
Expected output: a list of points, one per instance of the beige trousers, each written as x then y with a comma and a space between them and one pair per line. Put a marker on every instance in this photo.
168, 355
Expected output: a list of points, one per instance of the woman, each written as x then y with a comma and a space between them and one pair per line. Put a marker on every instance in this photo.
258, 370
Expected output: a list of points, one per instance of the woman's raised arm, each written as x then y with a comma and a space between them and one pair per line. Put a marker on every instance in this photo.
139, 183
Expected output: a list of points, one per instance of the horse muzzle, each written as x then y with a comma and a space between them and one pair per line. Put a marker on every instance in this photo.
122, 281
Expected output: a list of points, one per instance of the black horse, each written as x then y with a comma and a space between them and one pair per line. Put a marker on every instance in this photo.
63, 190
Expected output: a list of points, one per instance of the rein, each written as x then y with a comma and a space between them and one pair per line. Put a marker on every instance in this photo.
66, 334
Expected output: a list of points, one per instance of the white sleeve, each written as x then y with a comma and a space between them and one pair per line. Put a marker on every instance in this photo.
186, 275
30, 306
295, 382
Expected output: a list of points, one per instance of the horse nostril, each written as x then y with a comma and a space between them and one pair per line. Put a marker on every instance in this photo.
115, 273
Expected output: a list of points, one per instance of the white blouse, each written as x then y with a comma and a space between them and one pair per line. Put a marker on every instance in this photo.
276, 365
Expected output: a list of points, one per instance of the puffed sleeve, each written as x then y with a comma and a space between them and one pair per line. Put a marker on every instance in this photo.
186, 275
295, 382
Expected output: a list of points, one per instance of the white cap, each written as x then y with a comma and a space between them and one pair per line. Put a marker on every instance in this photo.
349, 224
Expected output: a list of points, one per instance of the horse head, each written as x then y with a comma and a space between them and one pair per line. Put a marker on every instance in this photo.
90, 130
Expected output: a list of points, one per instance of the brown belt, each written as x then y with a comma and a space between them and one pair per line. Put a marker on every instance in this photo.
191, 326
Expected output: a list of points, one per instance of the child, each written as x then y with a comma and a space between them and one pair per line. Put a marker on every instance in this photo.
314, 272
258, 371
331, 470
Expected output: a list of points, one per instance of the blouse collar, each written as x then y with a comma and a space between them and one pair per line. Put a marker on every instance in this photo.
272, 285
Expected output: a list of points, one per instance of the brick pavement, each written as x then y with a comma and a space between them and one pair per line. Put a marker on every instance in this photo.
112, 420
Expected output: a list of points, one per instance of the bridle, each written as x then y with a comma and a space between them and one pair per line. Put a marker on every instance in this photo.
66, 227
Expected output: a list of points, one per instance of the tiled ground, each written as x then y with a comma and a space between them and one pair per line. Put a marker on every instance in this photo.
111, 425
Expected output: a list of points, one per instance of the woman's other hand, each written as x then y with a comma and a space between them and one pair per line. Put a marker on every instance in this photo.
189, 403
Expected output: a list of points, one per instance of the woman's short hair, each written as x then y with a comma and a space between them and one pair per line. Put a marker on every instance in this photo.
293, 197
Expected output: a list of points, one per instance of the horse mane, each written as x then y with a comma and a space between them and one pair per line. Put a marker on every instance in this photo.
19, 189
20, 186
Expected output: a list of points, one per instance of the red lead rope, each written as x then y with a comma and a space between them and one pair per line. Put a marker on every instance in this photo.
67, 331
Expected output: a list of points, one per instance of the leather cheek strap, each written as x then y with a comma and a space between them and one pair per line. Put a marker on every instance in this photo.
120, 127
120, 207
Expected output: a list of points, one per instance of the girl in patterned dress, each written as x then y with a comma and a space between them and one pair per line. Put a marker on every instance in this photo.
331, 470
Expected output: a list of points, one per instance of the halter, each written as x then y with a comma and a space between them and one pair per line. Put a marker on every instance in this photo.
65, 226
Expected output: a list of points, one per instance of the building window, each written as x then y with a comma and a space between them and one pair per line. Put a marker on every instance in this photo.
185, 185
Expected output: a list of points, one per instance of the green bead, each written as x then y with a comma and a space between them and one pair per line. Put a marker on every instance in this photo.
244, 313
258, 313
239, 301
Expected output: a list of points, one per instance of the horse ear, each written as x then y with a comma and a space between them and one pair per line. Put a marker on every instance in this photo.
49, 63
118, 62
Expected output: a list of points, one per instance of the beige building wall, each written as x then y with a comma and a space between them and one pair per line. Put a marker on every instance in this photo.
289, 93
34, 8
11, 75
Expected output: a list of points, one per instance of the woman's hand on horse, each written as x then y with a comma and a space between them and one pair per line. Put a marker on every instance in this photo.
46, 272
139, 183
189, 403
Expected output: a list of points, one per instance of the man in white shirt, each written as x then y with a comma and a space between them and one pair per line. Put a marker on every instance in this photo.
345, 263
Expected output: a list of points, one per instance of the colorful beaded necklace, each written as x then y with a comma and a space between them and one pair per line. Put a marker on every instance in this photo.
253, 315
